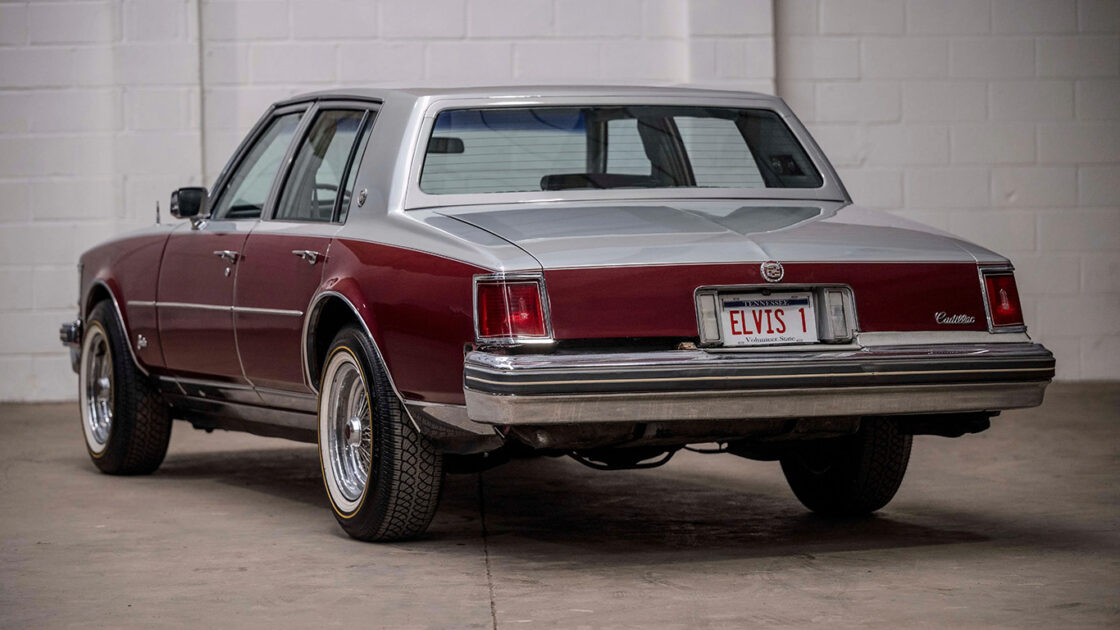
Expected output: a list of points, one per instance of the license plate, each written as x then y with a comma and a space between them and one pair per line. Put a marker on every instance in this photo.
754, 319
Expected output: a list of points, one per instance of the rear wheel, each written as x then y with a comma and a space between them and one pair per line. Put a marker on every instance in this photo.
382, 477
852, 475
125, 421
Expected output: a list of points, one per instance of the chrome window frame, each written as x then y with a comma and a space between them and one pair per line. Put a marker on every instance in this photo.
311, 114
247, 145
513, 340
831, 189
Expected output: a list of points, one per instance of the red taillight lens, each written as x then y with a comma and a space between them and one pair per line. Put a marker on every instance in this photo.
1003, 300
510, 309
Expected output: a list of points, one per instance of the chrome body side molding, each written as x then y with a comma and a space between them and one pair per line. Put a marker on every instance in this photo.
215, 307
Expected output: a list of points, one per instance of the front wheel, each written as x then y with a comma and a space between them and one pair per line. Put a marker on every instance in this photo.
382, 477
125, 421
853, 475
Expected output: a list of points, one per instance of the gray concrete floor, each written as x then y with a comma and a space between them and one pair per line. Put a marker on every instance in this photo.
1016, 527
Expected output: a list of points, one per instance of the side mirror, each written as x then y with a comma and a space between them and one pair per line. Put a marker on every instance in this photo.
188, 203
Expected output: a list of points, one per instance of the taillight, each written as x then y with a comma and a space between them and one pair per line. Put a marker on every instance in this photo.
1003, 299
510, 310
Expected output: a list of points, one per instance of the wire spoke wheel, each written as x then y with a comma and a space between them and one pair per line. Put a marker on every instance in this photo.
350, 436
382, 476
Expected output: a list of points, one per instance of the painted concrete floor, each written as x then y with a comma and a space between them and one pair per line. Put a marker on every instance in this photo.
1017, 527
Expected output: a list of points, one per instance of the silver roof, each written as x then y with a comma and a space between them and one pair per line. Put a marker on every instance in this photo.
525, 91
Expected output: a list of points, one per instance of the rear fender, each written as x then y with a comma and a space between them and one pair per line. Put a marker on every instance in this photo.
348, 293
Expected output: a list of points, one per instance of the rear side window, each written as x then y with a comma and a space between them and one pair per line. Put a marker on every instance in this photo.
495, 150
314, 188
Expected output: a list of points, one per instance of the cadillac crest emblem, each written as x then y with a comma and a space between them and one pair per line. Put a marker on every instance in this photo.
772, 271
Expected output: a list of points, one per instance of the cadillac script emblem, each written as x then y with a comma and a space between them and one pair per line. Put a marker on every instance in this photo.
941, 317
772, 271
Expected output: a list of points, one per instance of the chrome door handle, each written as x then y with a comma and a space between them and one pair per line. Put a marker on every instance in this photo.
306, 254
227, 255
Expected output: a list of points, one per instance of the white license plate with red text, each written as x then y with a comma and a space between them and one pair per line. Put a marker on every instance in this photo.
754, 319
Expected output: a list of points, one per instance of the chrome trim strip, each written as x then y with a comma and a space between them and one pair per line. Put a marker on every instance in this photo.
750, 404
216, 307
197, 307
937, 337
268, 311
753, 377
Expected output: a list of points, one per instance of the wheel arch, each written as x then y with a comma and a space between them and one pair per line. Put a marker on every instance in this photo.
328, 312
99, 290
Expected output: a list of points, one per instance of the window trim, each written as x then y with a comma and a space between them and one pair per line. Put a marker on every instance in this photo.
369, 117
831, 188
243, 150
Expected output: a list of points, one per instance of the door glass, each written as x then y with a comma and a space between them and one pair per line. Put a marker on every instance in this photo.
247, 189
313, 186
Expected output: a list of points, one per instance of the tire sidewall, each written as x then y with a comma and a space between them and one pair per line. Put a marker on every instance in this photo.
93, 327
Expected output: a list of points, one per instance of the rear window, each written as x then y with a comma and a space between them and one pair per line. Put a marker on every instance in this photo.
495, 150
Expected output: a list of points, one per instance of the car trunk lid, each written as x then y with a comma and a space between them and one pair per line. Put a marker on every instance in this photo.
632, 269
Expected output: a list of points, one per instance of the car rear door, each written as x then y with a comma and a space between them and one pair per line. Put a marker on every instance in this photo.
284, 255
198, 273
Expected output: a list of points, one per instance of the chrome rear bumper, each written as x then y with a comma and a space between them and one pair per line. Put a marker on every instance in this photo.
696, 384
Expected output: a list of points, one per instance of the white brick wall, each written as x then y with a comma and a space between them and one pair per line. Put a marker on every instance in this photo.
996, 119
105, 106
256, 51
97, 114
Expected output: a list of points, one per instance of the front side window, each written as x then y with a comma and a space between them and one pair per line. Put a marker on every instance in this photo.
496, 150
314, 188
246, 190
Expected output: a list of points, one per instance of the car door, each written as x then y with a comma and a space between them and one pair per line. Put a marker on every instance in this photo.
282, 265
197, 276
